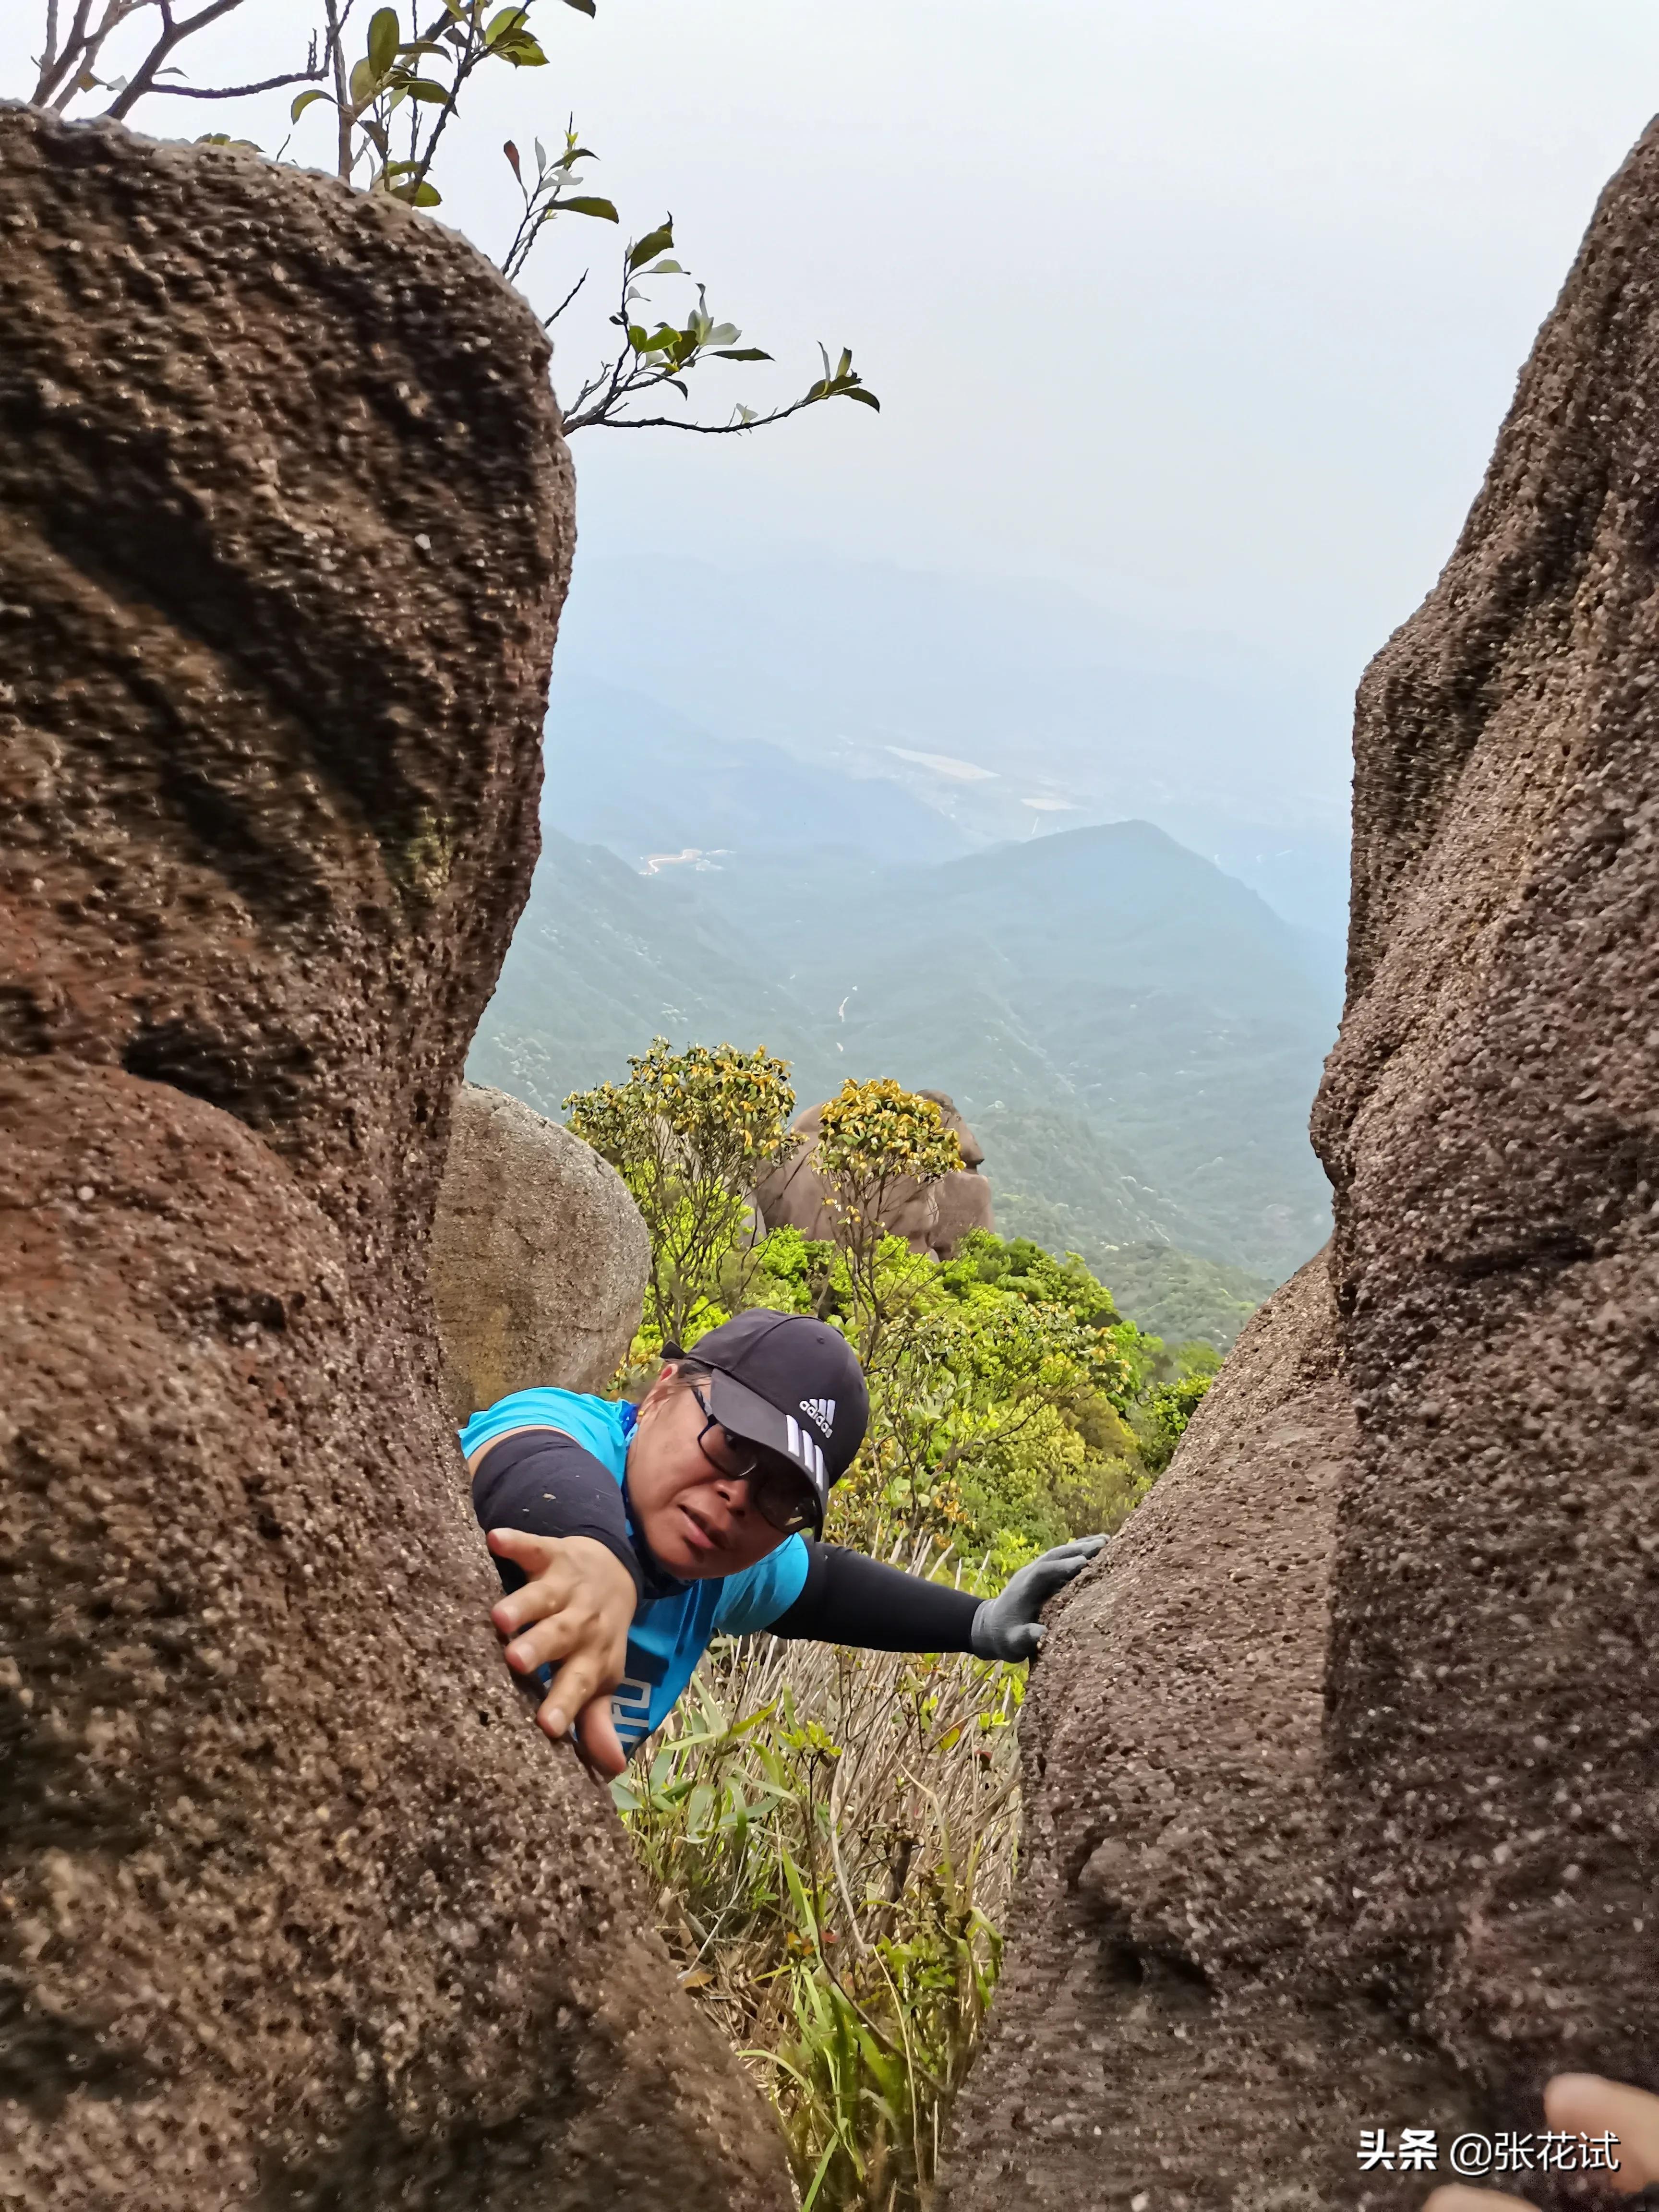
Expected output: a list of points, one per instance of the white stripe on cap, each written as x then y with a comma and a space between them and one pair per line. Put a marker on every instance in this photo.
804, 1448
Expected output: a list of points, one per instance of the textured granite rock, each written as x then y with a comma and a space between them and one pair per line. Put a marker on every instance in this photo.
296, 1905
931, 1217
1362, 1771
539, 1256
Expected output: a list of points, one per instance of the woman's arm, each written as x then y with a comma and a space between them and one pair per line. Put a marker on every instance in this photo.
545, 1483
557, 1527
850, 1599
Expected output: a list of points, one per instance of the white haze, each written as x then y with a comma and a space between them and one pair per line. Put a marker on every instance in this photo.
1206, 314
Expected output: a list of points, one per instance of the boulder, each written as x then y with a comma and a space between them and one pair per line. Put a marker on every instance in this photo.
299, 1906
931, 1217
1378, 1849
539, 1256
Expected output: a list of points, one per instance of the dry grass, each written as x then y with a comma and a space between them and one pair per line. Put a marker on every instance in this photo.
833, 1834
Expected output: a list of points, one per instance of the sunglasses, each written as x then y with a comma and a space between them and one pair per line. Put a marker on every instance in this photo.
782, 1497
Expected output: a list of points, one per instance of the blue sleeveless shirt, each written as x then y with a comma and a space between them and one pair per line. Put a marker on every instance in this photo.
670, 1634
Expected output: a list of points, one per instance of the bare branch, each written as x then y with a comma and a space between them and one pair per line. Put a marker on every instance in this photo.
234, 91
548, 321
464, 66
341, 105
55, 68
609, 421
172, 34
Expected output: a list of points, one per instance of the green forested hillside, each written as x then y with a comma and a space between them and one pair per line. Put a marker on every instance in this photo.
1179, 1297
1135, 1036
603, 960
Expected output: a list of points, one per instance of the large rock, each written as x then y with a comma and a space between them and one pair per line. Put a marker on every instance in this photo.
296, 1903
931, 1217
539, 1256
1172, 1869
1434, 1882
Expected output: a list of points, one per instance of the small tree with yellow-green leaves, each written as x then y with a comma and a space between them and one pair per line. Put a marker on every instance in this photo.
877, 1144
689, 1132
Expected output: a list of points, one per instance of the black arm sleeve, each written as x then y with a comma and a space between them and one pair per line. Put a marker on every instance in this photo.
850, 1599
542, 1481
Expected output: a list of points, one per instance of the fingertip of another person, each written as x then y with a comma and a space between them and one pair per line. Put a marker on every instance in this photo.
1458, 2197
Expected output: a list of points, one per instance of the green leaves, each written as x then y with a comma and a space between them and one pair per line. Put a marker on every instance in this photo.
875, 1133
303, 100
401, 180
384, 34
506, 33
586, 203
654, 241
842, 382
690, 1133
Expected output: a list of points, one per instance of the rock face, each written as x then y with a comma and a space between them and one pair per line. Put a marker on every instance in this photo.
931, 1217
1377, 1846
539, 1256
296, 1905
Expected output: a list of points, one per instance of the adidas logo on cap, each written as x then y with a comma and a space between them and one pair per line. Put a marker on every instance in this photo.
821, 1411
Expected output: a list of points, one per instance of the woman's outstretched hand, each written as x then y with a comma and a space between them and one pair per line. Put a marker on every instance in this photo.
573, 1614
1011, 1626
1581, 2104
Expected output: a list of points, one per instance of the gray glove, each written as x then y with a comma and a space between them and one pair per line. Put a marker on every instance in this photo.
1009, 1627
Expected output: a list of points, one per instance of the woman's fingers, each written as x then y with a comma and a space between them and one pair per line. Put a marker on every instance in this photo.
532, 1554
596, 1733
555, 1637
585, 1676
1586, 2105
1582, 2104
550, 1589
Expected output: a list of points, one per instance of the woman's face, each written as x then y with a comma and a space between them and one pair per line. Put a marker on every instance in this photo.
698, 1521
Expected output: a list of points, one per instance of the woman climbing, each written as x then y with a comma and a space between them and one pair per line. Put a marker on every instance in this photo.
626, 1538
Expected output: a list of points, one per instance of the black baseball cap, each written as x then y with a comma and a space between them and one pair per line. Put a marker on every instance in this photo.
791, 1384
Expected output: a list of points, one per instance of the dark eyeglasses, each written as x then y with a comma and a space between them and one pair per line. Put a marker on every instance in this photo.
782, 1497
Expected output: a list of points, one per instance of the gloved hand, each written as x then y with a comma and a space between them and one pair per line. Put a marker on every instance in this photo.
1008, 1627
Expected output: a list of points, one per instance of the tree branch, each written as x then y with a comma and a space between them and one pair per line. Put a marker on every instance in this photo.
598, 415
232, 91
548, 321
55, 67
172, 34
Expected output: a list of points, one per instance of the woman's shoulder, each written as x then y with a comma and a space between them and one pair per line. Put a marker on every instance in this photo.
601, 1425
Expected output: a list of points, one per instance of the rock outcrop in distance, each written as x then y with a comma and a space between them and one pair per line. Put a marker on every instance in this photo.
931, 1217
539, 1256
296, 1905
1343, 1788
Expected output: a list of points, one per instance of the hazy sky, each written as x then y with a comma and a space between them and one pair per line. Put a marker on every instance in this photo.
1210, 310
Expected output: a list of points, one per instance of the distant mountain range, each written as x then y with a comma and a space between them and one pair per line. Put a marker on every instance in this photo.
649, 781
1134, 1035
1004, 710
